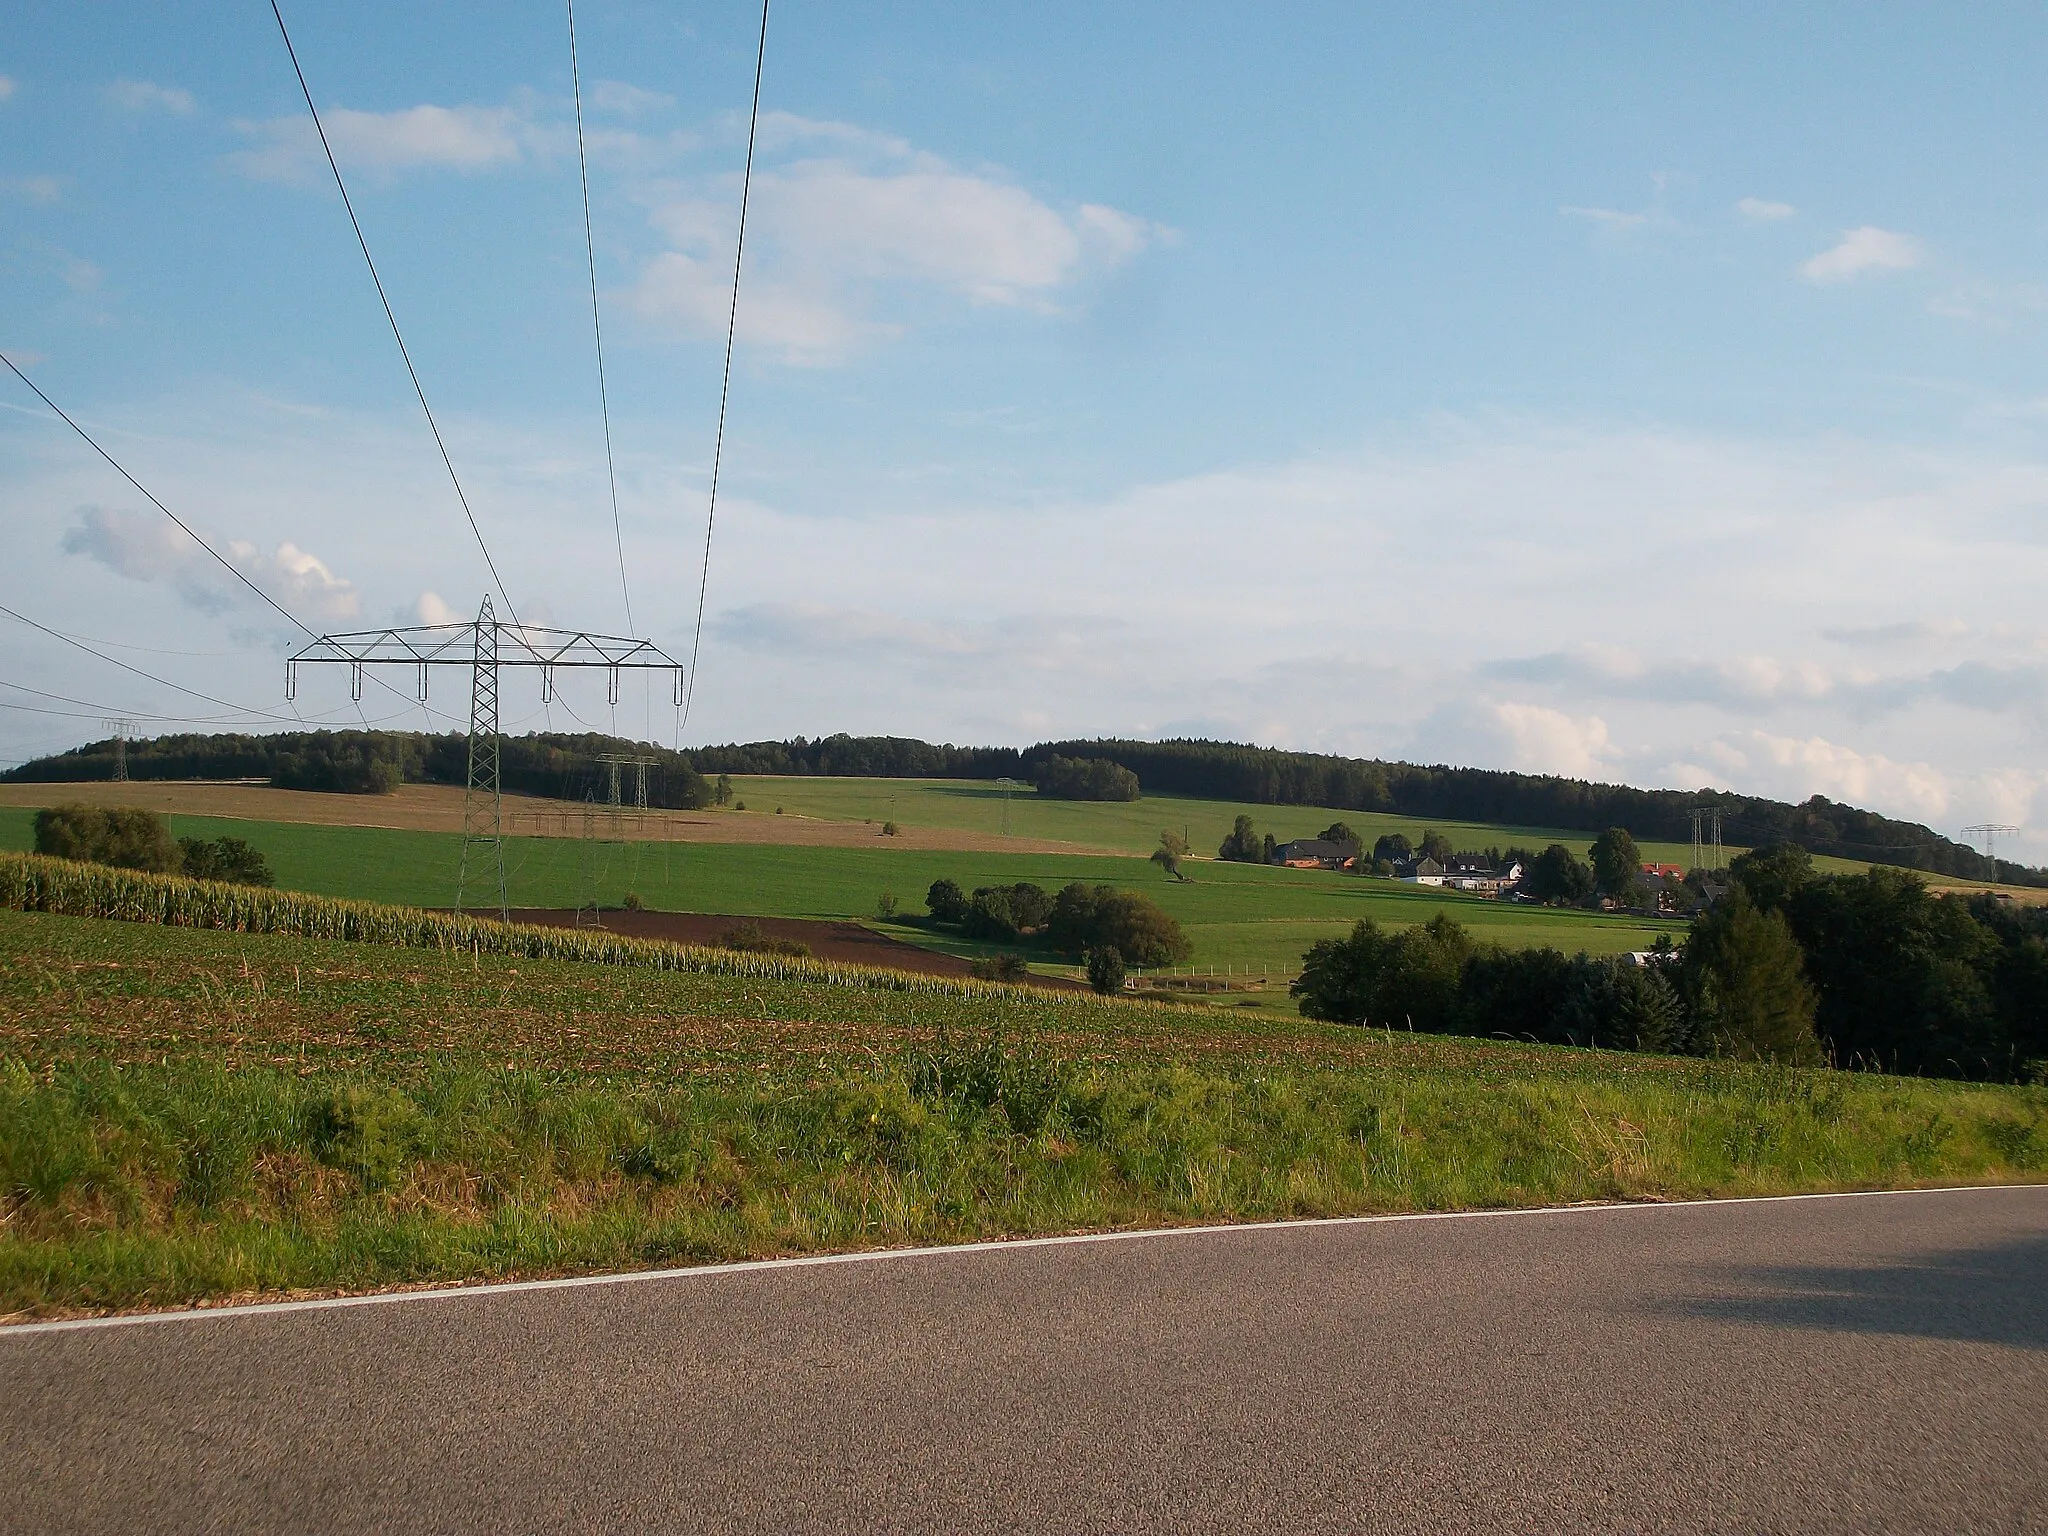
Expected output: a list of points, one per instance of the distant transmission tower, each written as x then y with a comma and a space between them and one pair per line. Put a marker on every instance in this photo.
485, 647
1006, 785
1706, 839
1989, 831
122, 729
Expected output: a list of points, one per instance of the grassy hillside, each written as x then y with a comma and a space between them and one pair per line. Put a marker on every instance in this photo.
1237, 915
1131, 826
189, 1115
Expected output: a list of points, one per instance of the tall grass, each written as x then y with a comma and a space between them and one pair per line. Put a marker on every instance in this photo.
32, 883
127, 1187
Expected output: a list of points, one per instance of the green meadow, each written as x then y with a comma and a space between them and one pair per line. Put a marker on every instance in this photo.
1239, 917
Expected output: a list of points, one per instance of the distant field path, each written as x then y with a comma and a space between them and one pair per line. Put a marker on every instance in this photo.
1861, 1364
438, 808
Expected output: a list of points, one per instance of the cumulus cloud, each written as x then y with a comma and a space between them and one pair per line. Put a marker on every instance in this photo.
147, 547
1509, 734
1760, 210
144, 96
464, 138
37, 189
846, 215
432, 608
1864, 249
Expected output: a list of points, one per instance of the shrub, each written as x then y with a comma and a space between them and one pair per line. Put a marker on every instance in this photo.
1004, 912
890, 829
1093, 778
1001, 968
224, 858
1106, 969
633, 903
1242, 846
946, 902
885, 904
749, 938
1086, 917
122, 837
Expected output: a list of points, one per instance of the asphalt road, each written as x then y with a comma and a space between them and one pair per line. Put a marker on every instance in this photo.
1866, 1364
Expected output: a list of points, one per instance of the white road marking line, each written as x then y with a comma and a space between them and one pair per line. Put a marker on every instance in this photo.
458, 1292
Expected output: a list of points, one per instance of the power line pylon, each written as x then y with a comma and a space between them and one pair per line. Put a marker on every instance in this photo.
486, 647
483, 800
1989, 831
122, 729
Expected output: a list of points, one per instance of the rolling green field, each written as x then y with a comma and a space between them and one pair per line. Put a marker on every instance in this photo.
189, 1115
1238, 916
976, 805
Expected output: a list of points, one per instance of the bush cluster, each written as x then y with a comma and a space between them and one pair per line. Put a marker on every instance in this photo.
126, 838
1079, 919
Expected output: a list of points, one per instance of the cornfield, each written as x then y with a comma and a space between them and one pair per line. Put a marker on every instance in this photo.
33, 883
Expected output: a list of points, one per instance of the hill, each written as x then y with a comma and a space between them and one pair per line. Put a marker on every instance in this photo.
566, 767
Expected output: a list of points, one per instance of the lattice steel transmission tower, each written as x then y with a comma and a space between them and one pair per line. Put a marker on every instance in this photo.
1989, 831
1706, 839
122, 729
486, 646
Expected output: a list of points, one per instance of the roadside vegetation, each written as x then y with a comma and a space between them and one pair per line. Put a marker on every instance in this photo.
194, 1113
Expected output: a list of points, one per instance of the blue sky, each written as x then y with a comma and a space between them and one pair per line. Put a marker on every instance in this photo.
1644, 393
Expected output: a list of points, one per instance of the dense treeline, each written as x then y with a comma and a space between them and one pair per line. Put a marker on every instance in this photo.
552, 764
861, 757
1211, 769
1865, 971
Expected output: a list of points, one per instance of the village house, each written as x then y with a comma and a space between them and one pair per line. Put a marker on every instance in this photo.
1316, 853
1419, 871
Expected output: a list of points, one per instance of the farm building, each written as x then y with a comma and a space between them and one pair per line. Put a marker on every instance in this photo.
1422, 871
1316, 853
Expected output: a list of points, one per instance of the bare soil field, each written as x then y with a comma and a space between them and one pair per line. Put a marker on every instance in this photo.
843, 941
438, 808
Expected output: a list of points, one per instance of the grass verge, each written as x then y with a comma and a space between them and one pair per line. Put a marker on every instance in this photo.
192, 1114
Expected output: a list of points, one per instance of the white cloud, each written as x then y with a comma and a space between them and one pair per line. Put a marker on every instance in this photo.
433, 609
628, 100
1759, 210
37, 189
144, 546
1506, 734
413, 138
7, 87
1864, 249
862, 214
1614, 219
143, 96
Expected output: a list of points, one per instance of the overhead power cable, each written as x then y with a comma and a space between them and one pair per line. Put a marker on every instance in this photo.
725, 384
418, 388
604, 405
162, 682
225, 564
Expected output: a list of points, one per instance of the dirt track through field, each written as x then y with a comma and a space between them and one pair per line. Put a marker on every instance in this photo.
438, 808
